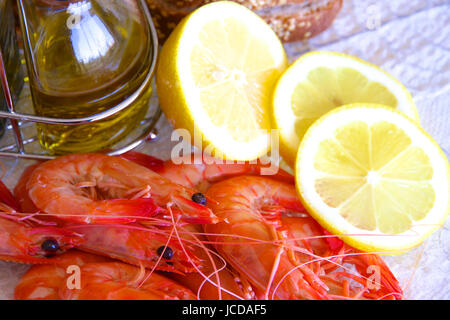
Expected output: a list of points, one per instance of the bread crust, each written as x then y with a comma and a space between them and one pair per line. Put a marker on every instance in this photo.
251, 4
292, 20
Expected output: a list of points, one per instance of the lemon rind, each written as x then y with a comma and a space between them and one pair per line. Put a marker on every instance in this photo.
282, 114
194, 118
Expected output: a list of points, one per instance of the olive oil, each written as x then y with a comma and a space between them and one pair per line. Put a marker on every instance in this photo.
85, 57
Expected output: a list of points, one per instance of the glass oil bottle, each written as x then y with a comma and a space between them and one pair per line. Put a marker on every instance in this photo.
85, 57
11, 57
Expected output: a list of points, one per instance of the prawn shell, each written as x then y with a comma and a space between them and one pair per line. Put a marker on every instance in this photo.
101, 279
54, 188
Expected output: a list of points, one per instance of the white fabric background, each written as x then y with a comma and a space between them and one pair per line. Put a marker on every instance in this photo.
411, 40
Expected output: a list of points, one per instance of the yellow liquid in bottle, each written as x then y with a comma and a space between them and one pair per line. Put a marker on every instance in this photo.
84, 59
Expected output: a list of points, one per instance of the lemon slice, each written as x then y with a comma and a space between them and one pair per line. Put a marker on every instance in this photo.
216, 76
321, 81
372, 174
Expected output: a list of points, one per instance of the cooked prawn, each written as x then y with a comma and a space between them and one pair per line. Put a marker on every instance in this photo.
22, 243
148, 246
200, 171
43, 282
151, 246
87, 188
25, 242
266, 235
101, 279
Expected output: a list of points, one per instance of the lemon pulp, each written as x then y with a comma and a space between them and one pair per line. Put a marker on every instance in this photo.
375, 169
234, 78
326, 89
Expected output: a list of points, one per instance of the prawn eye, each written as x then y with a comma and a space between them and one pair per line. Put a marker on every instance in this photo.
199, 198
50, 245
166, 252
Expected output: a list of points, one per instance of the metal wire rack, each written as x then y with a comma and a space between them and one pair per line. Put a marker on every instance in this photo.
20, 122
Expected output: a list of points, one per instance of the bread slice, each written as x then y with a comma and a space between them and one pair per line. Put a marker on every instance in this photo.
301, 21
292, 20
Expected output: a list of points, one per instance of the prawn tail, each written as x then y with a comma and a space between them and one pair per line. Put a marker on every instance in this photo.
290, 202
192, 212
123, 210
381, 279
7, 198
334, 242
273, 172
144, 160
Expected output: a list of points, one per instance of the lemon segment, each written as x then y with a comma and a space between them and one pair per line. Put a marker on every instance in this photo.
319, 82
373, 175
215, 78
